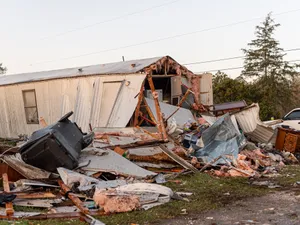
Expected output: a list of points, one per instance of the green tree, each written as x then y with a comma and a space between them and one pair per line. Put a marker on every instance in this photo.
2, 69
226, 89
265, 67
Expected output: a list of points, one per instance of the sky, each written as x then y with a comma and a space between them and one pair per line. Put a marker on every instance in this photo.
44, 35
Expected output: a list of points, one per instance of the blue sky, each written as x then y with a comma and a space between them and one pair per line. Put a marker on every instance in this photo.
29, 31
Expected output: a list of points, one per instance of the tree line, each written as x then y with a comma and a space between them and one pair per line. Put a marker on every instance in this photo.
266, 77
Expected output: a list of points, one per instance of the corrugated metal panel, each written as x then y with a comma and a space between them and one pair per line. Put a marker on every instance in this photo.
261, 134
83, 103
83, 95
251, 124
248, 118
206, 90
126, 67
126, 102
4, 123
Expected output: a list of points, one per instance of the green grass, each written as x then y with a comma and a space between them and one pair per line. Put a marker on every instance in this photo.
208, 193
289, 176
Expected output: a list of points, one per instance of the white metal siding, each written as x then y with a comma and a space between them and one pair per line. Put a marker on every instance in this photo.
206, 90
83, 95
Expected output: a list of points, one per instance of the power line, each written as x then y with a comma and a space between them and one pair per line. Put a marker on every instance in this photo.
236, 68
230, 58
213, 60
160, 39
109, 20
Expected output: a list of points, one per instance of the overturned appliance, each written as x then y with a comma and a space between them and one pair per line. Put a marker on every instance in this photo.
58, 145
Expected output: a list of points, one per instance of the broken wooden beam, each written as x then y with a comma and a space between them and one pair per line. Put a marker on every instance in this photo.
160, 122
67, 215
136, 144
35, 195
73, 198
178, 159
9, 206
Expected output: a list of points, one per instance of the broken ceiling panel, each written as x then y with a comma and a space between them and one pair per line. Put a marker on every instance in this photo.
111, 162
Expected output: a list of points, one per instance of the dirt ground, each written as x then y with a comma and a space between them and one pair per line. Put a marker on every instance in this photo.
280, 208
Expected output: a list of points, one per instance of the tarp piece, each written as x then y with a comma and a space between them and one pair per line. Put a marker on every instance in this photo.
220, 139
181, 117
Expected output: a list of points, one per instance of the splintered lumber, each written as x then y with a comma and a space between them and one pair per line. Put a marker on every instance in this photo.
35, 195
9, 206
73, 198
68, 215
178, 159
136, 144
160, 122
63, 215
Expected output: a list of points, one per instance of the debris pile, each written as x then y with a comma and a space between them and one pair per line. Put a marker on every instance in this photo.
115, 170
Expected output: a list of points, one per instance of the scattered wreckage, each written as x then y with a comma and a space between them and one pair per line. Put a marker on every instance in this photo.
113, 170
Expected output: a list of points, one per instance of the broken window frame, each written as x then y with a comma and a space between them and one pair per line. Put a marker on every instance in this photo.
30, 107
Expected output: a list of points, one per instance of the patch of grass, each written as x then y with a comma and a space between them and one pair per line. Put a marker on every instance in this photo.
208, 193
289, 176
29, 209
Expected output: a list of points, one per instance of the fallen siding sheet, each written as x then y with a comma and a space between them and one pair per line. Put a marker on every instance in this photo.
248, 118
70, 177
181, 117
251, 124
262, 134
111, 162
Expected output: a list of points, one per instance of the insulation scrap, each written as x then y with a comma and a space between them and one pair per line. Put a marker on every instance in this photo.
114, 202
247, 164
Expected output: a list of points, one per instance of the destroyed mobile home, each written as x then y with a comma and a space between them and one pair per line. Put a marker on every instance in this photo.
125, 139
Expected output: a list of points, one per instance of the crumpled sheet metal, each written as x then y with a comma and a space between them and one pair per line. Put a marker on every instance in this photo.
250, 123
70, 177
220, 139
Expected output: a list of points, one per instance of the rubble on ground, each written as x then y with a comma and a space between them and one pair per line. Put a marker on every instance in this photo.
115, 170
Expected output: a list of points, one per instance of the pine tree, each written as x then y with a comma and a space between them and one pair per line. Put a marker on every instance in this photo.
265, 66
